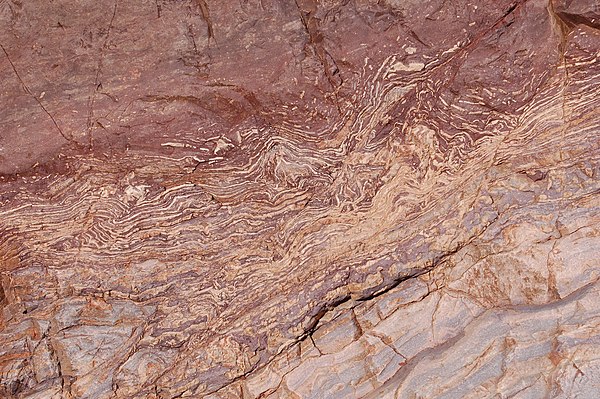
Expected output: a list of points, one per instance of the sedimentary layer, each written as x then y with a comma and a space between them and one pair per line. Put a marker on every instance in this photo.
299, 199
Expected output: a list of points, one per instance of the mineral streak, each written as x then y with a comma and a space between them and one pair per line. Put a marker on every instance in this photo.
299, 199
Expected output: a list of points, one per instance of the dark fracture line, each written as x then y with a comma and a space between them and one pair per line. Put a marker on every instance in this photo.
70, 139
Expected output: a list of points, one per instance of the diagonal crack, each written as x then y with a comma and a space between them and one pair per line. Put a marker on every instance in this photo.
69, 138
97, 82
306, 9
314, 325
206, 15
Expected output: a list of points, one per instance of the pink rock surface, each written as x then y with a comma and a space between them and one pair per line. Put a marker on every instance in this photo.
299, 199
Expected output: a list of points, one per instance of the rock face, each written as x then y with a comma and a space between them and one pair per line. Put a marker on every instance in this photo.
299, 199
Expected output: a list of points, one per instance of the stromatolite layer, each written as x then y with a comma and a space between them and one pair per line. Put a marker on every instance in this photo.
299, 199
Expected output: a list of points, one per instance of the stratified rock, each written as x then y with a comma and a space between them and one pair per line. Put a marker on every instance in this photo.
299, 199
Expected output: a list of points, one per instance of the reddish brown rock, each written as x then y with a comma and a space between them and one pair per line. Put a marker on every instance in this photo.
299, 199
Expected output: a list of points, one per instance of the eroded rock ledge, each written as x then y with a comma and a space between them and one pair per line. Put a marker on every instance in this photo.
299, 199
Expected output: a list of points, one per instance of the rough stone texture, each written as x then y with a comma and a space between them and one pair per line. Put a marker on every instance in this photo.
299, 199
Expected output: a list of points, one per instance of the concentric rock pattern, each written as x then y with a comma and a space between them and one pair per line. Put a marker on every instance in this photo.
299, 199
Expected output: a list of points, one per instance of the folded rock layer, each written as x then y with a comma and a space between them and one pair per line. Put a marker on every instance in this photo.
299, 199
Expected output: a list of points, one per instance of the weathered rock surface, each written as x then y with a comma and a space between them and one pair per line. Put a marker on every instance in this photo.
299, 199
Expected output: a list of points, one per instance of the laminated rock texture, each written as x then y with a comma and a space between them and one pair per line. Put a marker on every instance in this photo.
299, 199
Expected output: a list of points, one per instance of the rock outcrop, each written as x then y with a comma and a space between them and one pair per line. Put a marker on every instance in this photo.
299, 199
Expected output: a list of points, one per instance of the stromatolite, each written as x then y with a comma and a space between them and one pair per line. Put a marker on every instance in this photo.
299, 199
